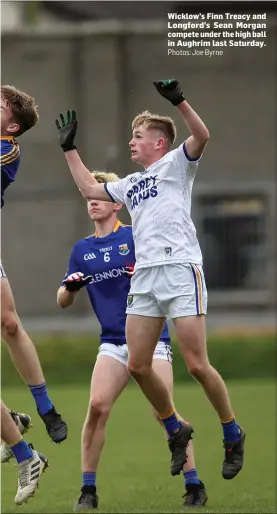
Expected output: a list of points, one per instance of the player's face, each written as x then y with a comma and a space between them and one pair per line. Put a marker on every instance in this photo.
7, 124
100, 211
145, 145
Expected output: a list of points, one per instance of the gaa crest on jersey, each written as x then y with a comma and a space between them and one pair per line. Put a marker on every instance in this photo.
130, 299
123, 249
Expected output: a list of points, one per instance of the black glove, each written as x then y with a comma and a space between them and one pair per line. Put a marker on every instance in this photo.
67, 129
76, 281
171, 90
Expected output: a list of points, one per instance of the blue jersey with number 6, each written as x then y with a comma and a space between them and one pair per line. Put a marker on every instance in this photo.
105, 259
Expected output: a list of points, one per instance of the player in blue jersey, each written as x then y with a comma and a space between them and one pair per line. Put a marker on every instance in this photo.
19, 114
99, 262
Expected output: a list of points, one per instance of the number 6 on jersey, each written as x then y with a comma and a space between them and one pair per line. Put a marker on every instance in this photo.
107, 256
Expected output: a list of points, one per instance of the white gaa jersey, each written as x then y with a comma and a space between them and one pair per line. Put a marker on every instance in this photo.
159, 202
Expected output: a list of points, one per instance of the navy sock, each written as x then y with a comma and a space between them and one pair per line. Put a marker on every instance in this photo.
172, 424
231, 431
41, 398
191, 477
21, 451
89, 478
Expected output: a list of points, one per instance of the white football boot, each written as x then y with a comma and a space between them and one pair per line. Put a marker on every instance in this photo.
29, 473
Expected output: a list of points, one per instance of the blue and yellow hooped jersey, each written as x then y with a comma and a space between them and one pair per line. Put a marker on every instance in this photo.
10, 159
105, 259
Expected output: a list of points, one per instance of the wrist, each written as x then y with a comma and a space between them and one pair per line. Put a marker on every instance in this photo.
178, 101
182, 105
66, 149
70, 292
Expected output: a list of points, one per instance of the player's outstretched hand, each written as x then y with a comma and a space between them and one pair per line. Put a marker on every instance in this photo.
76, 281
171, 90
67, 127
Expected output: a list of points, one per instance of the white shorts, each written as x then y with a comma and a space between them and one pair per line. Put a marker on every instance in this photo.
170, 291
120, 352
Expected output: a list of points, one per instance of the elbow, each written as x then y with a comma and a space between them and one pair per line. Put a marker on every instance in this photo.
84, 193
205, 136
61, 301
203, 139
87, 193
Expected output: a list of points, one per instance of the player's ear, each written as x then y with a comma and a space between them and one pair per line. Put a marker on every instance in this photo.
13, 128
161, 143
117, 206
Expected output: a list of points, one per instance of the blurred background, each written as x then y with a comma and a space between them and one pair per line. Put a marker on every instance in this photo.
101, 59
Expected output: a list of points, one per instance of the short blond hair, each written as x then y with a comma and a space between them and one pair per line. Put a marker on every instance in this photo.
154, 121
103, 177
23, 107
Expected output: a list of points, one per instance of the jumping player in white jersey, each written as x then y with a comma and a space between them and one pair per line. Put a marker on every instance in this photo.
168, 280
99, 263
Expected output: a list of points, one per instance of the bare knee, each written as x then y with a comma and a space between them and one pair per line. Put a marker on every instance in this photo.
199, 370
10, 324
138, 370
98, 410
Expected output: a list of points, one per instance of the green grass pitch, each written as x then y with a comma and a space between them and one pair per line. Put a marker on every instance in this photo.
134, 470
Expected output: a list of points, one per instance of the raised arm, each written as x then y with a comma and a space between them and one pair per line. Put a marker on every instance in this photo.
87, 184
85, 181
195, 143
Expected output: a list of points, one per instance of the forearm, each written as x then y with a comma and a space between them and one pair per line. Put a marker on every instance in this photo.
65, 298
85, 180
194, 123
82, 176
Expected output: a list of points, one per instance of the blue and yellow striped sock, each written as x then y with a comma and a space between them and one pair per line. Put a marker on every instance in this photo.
171, 423
21, 450
231, 430
89, 478
191, 477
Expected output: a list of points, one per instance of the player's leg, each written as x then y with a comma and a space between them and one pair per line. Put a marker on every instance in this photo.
23, 423
187, 312
191, 336
142, 334
25, 359
31, 464
109, 378
195, 490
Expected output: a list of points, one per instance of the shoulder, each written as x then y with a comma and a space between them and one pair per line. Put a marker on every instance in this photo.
181, 153
82, 243
10, 146
126, 230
